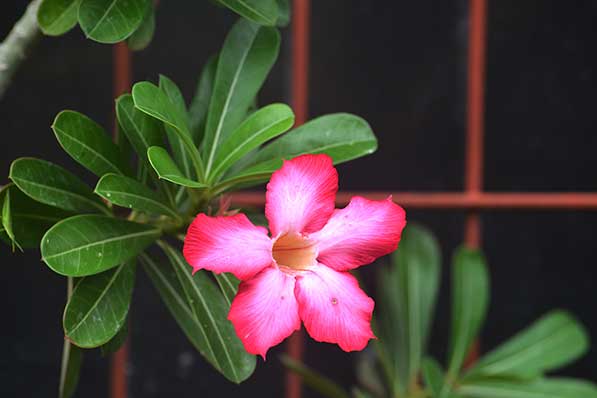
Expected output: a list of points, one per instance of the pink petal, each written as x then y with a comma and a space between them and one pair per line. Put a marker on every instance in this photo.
300, 196
227, 244
334, 309
359, 233
265, 311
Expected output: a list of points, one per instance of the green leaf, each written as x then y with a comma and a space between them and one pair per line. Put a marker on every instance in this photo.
433, 375
56, 17
141, 38
7, 220
551, 342
87, 142
342, 136
260, 127
72, 357
167, 169
200, 311
247, 55
368, 374
111, 21
470, 298
30, 219
315, 380
51, 184
200, 103
142, 130
542, 388
126, 192
89, 244
264, 12
117, 341
283, 13
99, 305
228, 285
153, 101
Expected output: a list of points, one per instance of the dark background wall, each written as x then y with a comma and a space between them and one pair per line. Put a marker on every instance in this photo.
402, 66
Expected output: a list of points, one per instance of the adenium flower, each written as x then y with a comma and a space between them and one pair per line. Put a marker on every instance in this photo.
300, 272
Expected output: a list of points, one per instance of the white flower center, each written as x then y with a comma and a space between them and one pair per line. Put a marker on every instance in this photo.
294, 252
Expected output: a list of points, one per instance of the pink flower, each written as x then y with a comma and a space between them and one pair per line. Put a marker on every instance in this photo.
300, 272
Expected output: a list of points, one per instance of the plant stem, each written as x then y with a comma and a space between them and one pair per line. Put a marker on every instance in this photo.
67, 347
15, 47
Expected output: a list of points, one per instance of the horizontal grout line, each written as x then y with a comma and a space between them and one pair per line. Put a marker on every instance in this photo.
459, 200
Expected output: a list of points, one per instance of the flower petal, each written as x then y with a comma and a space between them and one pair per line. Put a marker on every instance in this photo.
227, 244
265, 311
359, 233
333, 308
300, 196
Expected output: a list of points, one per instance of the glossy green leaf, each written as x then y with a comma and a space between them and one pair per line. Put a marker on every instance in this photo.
31, 219
89, 244
470, 298
111, 21
72, 357
228, 284
87, 142
153, 101
542, 388
200, 103
141, 38
7, 220
56, 17
433, 375
142, 130
551, 342
53, 185
200, 310
98, 306
247, 55
342, 136
315, 380
167, 169
264, 12
117, 341
126, 192
260, 127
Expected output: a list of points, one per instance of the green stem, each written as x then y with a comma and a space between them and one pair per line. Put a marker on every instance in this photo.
17, 44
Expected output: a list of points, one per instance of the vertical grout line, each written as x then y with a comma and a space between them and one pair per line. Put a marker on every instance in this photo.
122, 72
475, 128
299, 100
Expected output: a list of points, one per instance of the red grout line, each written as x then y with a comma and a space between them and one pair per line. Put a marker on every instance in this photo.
299, 99
122, 79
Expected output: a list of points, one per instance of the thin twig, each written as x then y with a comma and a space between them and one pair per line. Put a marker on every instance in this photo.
15, 47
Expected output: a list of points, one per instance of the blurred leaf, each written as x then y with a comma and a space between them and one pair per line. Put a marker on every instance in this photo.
89, 244
142, 130
470, 298
315, 380
129, 193
166, 169
551, 342
247, 55
542, 388
200, 311
342, 136
72, 357
98, 306
283, 12
200, 103
264, 12
111, 21
153, 101
260, 127
228, 285
87, 142
51, 184
56, 17
141, 38
433, 375
368, 375
117, 341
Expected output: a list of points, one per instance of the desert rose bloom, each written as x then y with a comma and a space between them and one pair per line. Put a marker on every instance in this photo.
300, 271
